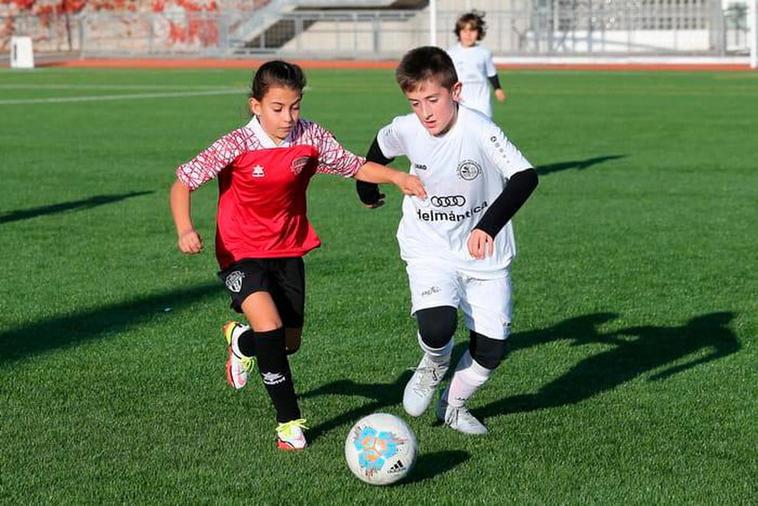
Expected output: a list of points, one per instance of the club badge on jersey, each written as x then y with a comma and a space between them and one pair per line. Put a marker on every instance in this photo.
468, 170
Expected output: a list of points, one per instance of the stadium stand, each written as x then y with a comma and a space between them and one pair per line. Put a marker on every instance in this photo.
373, 28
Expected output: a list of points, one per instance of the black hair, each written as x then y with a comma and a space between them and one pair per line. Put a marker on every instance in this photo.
276, 73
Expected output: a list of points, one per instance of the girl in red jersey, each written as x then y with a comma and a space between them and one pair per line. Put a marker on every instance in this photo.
262, 230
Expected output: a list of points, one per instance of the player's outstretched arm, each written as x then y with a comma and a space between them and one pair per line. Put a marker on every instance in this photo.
369, 193
372, 172
189, 241
516, 192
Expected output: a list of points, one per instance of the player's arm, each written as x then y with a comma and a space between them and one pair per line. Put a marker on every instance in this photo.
518, 189
495, 82
491, 72
193, 174
189, 241
369, 193
372, 172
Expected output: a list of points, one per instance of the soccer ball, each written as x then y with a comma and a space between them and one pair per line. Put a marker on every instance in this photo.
380, 449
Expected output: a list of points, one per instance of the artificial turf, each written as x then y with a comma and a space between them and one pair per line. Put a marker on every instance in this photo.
632, 372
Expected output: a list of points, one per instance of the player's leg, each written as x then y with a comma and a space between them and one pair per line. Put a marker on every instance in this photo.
293, 338
289, 296
434, 293
241, 280
264, 318
488, 310
436, 326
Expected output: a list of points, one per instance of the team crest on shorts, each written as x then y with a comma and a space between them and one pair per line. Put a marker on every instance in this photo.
468, 170
298, 164
234, 281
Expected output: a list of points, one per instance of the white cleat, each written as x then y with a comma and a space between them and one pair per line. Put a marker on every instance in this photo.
420, 388
459, 419
237, 368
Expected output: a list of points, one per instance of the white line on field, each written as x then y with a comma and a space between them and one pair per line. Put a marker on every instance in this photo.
131, 96
177, 87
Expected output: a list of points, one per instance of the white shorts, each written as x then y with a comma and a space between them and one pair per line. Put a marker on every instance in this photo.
486, 303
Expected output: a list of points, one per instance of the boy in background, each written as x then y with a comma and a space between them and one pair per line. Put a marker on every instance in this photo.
474, 65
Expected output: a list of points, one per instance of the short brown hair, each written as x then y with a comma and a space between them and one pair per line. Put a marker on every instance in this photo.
423, 64
476, 20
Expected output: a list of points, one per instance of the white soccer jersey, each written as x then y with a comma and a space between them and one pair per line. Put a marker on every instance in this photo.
463, 172
474, 65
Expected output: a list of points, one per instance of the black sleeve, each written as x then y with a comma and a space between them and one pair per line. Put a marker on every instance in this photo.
515, 193
494, 81
369, 192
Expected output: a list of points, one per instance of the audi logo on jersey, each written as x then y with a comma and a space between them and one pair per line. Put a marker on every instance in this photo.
448, 200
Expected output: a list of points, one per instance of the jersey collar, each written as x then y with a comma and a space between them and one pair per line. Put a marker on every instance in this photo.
266, 141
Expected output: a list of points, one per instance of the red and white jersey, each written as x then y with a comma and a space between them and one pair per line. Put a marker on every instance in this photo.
262, 203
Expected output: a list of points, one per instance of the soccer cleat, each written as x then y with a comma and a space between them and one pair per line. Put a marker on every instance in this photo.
459, 419
289, 435
419, 391
237, 367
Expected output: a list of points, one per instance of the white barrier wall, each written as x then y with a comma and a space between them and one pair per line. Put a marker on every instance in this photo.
22, 53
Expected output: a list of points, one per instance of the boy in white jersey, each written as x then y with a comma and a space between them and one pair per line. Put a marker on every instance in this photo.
474, 65
458, 242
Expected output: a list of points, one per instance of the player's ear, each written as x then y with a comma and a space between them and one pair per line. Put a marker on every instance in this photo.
255, 106
455, 91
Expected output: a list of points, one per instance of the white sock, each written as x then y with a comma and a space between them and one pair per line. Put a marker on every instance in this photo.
468, 377
440, 356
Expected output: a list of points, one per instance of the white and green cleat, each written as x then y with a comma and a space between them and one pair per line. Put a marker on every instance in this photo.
290, 436
238, 367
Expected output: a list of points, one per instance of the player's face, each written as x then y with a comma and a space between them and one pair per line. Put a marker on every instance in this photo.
468, 35
435, 106
278, 111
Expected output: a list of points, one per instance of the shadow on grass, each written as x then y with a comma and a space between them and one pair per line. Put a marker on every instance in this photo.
381, 395
431, 465
76, 205
62, 331
635, 351
575, 164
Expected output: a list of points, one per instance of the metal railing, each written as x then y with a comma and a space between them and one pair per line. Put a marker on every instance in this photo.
588, 28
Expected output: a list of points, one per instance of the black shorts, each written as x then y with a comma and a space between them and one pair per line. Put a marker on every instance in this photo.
283, 278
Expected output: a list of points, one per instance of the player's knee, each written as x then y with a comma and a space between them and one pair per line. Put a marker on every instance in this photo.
436, 325
486, 351
292, 340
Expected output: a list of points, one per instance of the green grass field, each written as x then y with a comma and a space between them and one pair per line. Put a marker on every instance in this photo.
632, 376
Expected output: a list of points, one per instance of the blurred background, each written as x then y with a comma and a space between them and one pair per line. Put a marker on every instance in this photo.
527, 30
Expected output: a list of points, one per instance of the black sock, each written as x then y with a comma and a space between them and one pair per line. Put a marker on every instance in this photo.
275, 372
246, 343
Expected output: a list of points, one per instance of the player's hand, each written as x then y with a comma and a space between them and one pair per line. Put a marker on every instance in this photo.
190, 242
480, 244
411, 185
369, 194
500, 95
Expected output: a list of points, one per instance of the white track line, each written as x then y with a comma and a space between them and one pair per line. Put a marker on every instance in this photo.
131, 96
